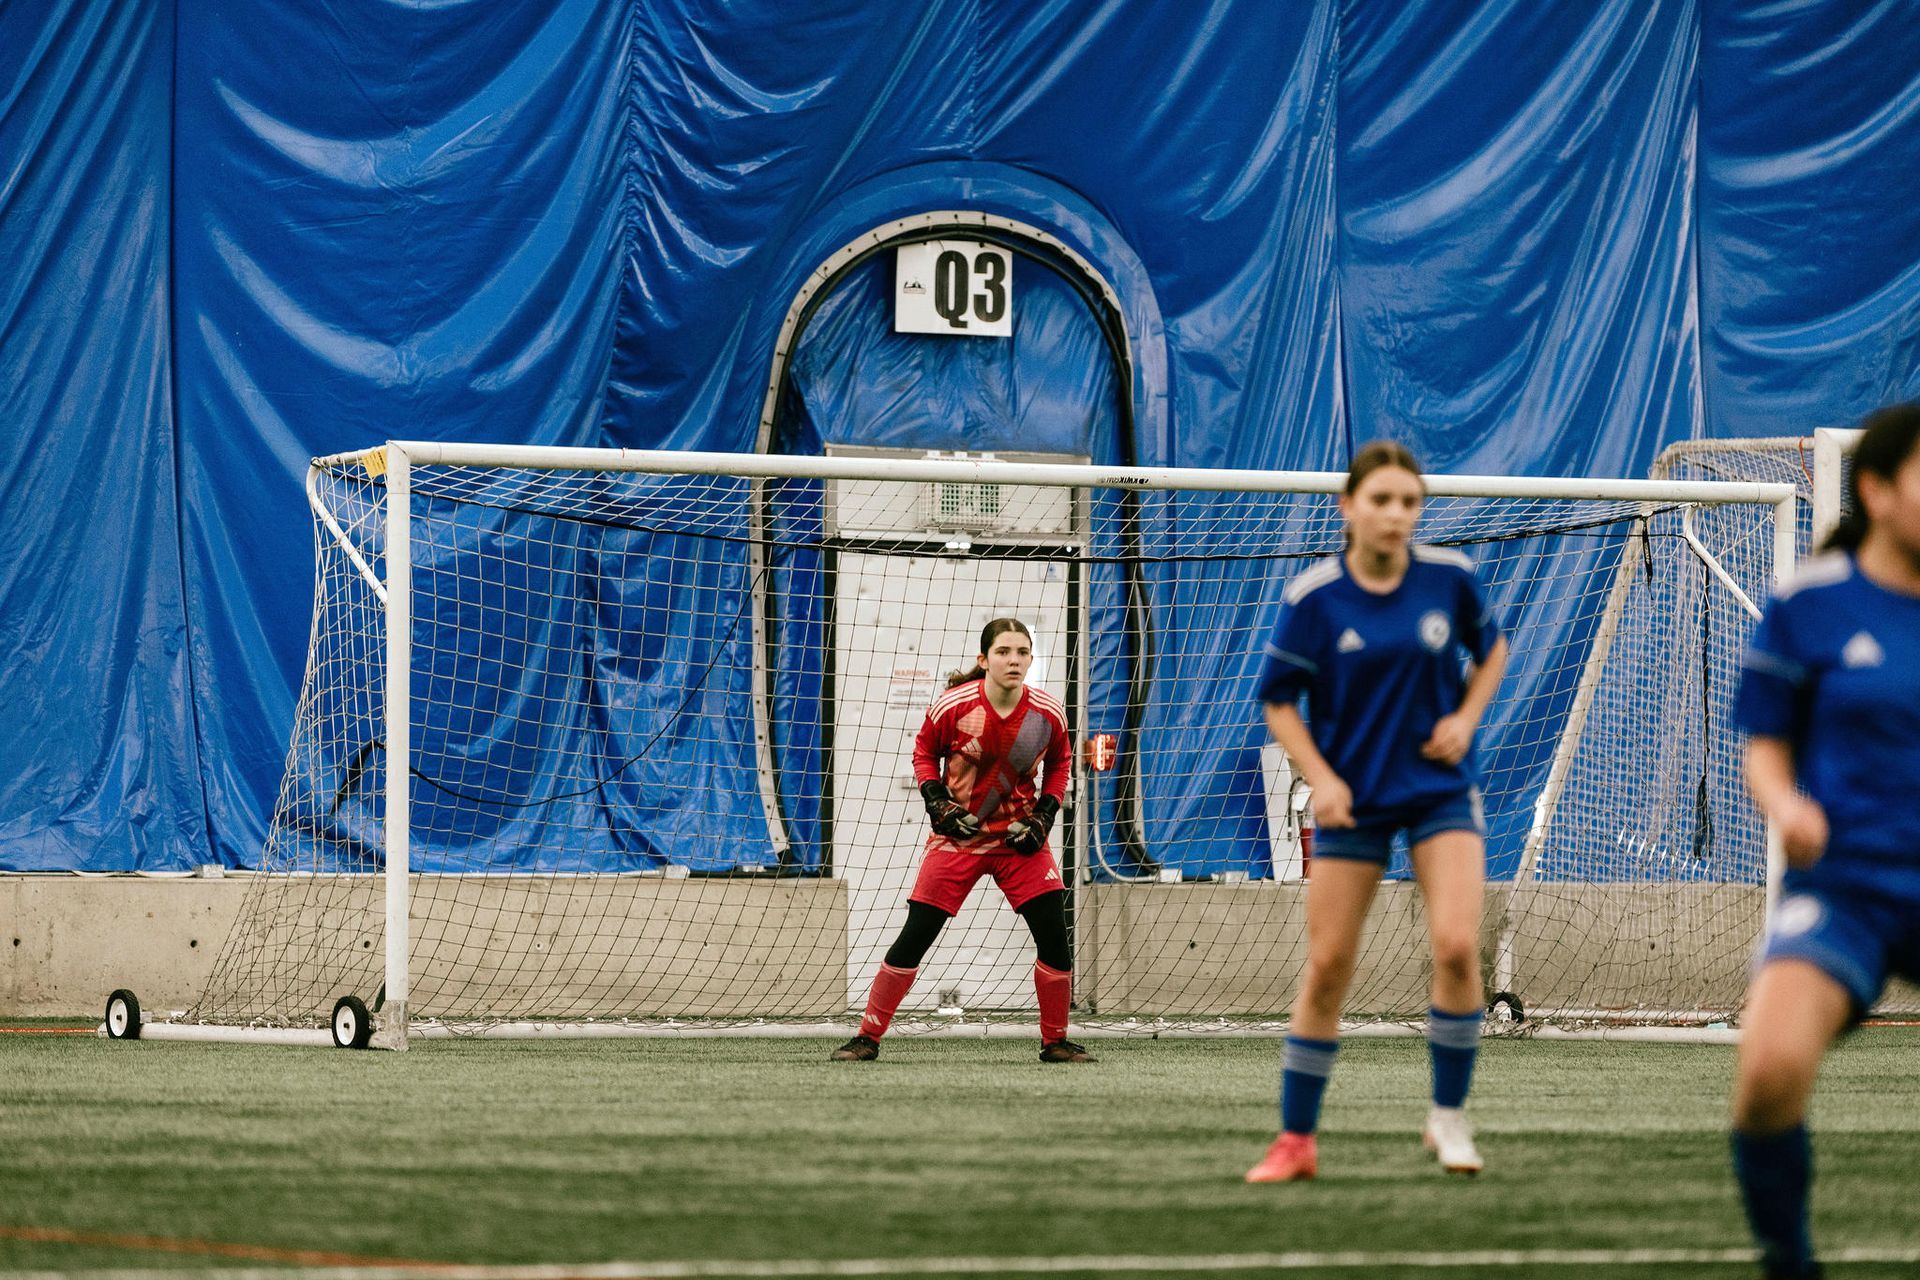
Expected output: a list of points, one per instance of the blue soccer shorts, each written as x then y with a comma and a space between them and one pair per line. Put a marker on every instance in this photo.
1856, 938
1373, 841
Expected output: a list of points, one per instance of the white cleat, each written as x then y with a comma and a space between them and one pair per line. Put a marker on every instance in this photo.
1449, 1135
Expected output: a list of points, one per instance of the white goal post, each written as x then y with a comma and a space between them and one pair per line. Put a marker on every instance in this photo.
610, 741
1832, 448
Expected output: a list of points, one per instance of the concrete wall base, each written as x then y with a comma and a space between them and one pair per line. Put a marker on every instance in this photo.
536, 947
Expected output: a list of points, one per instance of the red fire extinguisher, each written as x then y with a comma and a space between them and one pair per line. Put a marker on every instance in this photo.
1306, 828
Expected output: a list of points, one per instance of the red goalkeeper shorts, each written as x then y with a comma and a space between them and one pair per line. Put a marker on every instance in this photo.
947, 876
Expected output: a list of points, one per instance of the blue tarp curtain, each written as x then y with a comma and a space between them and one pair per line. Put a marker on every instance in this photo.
1523, 238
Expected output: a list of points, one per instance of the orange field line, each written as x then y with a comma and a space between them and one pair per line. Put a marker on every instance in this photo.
49, 1031
210, 1248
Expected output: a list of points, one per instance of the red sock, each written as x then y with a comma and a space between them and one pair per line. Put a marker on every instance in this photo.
1055, 989
890, 987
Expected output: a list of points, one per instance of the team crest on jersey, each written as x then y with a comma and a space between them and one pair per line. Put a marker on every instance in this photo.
1435, 630
1796, 915
1863, 651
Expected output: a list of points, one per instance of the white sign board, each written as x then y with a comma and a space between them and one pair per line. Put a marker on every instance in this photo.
961, 288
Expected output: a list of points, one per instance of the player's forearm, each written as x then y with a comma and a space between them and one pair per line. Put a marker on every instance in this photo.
1057, 768
1290, 731
1484, 680
1056, 771
926, 759
1768, 764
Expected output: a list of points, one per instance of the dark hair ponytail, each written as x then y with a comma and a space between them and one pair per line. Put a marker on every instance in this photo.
1888, 440
988, 634
1852, 529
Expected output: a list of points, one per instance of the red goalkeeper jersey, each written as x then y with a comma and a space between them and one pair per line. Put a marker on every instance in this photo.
989, 761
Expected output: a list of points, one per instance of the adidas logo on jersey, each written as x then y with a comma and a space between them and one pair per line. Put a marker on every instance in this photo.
1862, 651
1350, 642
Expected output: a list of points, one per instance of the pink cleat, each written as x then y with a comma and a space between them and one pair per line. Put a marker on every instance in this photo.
1293, 1157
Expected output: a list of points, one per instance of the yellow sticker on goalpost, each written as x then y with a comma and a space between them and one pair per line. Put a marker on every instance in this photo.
375, 462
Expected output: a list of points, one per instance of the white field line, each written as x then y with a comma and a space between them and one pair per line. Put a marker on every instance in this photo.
1114, 1264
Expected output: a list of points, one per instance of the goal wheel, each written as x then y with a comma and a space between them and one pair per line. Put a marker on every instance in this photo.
1505, 1007
123, 1015
352, 1024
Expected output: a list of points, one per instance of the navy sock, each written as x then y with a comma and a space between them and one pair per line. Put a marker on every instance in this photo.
1304, 1068
1452, 1041
1775, 1172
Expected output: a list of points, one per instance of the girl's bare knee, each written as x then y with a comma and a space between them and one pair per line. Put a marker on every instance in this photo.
1456, 957
1325, 981
1771, 1090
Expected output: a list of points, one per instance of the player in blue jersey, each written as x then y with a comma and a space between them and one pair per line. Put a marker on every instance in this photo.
1398, 654
1830, 699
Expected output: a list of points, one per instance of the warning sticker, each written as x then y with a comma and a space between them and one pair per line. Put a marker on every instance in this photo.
911, 687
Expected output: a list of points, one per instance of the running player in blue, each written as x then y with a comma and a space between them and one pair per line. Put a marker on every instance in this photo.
1398, 654
1830, 699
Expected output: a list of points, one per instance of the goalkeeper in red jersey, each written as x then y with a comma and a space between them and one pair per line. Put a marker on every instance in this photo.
984, 743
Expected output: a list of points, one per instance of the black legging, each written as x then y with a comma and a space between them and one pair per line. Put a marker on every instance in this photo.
1046, 918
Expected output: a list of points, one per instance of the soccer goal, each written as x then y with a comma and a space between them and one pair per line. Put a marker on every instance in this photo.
610, 741
1817, 467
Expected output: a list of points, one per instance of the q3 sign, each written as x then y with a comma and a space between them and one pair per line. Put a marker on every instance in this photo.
957, 287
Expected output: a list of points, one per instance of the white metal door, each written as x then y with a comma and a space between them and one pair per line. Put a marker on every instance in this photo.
902, 623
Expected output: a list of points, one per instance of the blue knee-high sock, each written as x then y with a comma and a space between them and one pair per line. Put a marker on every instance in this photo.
1304, 1068
1452, 1041
1775, 1171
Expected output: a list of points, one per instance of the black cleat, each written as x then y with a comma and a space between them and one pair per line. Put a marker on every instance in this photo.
858, 1049
1065, 1051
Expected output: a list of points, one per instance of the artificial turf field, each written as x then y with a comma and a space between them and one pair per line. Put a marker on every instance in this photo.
137, 1156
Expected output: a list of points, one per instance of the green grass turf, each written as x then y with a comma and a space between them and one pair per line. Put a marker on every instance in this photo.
541, 1152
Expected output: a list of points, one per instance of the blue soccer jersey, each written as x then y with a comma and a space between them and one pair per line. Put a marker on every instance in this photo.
1379, 672
1834, 669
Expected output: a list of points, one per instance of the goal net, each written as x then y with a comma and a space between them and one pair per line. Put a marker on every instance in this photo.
622, 740
1818, 467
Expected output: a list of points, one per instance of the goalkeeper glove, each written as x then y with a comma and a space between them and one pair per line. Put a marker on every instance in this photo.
949, 817
1029, 834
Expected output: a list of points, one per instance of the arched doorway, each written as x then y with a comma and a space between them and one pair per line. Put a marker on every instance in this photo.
844, 381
